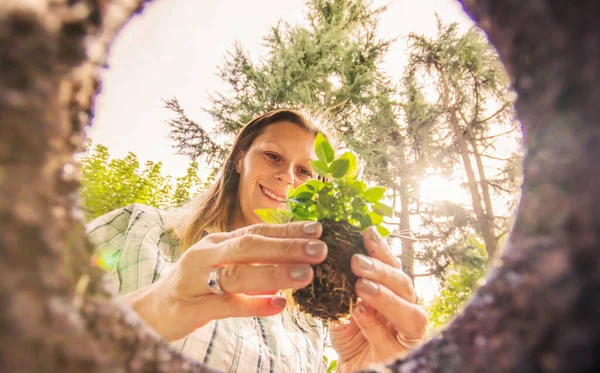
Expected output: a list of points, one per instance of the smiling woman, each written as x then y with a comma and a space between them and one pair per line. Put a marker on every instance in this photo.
211, 284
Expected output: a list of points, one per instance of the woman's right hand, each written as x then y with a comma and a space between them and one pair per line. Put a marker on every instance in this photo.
257, 261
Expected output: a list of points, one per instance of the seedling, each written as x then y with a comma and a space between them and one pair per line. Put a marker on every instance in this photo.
346, 208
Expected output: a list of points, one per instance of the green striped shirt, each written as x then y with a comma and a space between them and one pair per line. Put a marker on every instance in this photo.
134, 245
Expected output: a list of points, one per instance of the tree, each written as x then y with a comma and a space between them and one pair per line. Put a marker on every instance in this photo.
108, 184
536, 312
458, 285
472, 95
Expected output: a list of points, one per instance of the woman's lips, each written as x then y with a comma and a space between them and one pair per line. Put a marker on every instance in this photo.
272, 195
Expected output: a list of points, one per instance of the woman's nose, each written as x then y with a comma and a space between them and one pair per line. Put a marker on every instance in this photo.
286, 175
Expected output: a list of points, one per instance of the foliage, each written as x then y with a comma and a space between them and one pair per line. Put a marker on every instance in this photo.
109, 184
331, 366
330, 65
342, 198
474, 112
400, 133
459, 283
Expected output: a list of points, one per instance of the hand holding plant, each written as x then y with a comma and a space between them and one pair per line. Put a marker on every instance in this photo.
346, 208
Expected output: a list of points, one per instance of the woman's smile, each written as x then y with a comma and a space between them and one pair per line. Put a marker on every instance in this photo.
271, 195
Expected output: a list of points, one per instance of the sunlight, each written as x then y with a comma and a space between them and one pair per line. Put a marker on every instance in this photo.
439, 188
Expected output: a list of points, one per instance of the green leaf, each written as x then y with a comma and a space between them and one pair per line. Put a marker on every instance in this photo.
374, 194
290, 192
323, 149
352, 168
357, 216
339, 168
320, 168
316, 185
383, 231
302, 189
375, 218
356, 187
322, 212
332, 367
327, 188
359, 206
270, 216
383, 209
303, 197
284, 216
326, 200
365, 222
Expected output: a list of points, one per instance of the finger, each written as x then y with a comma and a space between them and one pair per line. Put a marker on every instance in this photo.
253, 248
270, 292
240, 305
304, 229
247, 279
378, 248
195, 313
408, 319
381, 339
384, 274
346, 336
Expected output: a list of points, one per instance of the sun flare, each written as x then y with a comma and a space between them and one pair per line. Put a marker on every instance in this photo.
438, 188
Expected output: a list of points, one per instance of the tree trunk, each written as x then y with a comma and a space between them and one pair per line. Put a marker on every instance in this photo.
485, 186
55, 317
408, 251
538, 311
483, 222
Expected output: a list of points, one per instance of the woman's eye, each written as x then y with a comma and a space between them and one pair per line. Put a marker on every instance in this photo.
306, 172
273, 156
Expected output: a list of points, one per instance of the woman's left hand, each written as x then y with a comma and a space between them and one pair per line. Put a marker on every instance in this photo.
387, 323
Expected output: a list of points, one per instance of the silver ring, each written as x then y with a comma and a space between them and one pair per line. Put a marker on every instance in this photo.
213, 282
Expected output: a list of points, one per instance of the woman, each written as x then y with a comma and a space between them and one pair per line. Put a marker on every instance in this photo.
232, 319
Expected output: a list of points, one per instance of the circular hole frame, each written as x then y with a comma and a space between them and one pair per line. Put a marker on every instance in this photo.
537, 310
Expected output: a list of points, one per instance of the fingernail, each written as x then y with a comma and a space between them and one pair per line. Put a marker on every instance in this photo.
362, 309
375, 236
366, 286
316, 248
301, 272
311, 228
364, 262
278, 302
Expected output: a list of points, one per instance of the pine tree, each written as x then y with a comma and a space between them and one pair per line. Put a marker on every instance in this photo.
472, 95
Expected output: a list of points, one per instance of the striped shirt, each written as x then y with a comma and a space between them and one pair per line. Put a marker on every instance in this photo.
135, 246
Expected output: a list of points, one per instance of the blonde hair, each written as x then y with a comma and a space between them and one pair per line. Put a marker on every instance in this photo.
212, 211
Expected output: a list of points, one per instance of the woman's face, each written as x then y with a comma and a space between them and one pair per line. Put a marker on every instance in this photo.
277, 159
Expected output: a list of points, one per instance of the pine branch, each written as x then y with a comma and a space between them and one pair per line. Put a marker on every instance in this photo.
492, 157
497, 135
507, 104
190, 138
499, 187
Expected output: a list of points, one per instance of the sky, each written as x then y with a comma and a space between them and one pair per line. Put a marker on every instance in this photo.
174, 47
